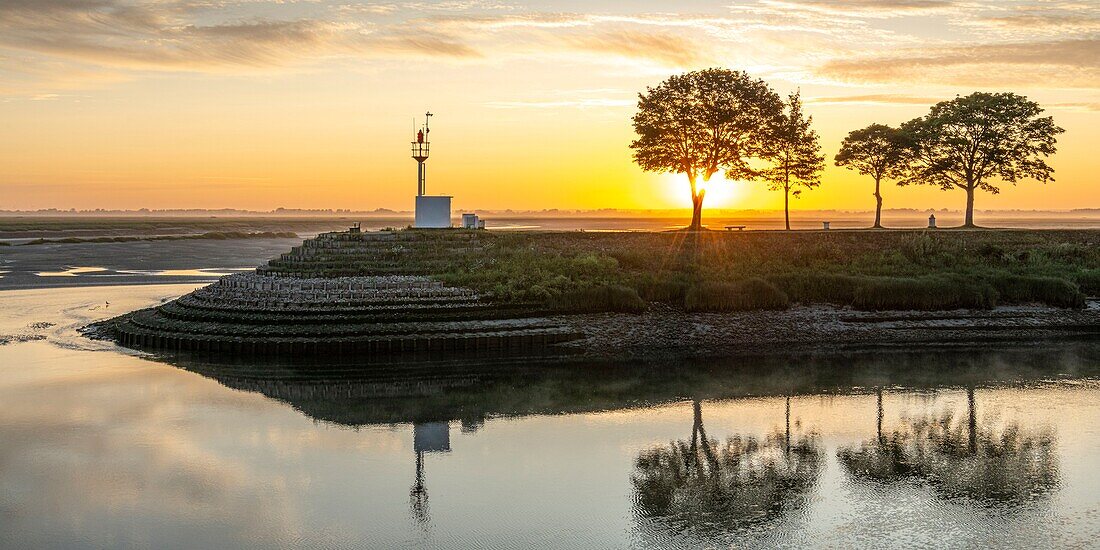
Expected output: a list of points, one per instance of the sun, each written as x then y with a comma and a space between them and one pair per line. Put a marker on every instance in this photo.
721, 192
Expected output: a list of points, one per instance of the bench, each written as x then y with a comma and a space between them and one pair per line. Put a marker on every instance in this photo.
737, 227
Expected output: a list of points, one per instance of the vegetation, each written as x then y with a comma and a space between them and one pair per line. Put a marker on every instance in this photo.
703, 122
970, 142
713, 271
876, 151
743, 295
795, 153
617, 298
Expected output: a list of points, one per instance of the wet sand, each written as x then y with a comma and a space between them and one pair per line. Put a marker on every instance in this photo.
132, 263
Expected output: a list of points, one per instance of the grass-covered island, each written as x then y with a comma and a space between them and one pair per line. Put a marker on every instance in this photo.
635, 294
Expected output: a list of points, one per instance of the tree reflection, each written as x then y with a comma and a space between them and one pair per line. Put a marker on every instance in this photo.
960, 457
707, 487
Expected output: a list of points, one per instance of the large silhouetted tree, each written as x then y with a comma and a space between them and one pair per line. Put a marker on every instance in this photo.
795, 154
877, 151
972, 142
703, 122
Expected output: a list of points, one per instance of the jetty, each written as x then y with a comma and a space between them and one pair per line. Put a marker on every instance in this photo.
344, 293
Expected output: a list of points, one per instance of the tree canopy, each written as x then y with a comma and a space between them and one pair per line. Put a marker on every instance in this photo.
877, 151
703, 122
795, 153
973, 142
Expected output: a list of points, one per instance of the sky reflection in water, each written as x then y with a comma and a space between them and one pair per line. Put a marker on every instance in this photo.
105, 449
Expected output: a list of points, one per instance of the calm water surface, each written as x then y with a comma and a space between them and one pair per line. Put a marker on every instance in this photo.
102, 448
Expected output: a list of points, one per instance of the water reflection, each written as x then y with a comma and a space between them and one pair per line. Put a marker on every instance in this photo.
971, 457
706, 488
752, 452
431, 437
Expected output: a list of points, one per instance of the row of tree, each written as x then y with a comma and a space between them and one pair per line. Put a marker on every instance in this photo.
718, 120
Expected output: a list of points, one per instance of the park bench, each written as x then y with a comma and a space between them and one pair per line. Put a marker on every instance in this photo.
737, 227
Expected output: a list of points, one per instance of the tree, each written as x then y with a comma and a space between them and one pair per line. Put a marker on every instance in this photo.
702, 122
969, 141
877, 151
795, 154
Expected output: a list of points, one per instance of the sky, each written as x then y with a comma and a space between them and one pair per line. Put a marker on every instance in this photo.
260, 104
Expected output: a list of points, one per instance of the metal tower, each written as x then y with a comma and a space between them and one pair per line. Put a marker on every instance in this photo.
420, 150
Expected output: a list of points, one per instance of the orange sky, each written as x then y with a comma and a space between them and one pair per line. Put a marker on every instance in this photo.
259, 104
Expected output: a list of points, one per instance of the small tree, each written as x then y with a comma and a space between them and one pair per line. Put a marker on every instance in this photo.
967, 142
877, 151
701, 122
795, 154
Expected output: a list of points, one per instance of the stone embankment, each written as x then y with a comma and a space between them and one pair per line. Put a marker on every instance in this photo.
340, 294
665, 332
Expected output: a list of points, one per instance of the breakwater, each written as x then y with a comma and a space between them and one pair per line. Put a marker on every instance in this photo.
346, 293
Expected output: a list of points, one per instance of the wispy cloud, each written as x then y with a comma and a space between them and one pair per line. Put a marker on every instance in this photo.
590, 103
871, 99
1057, 63
1038, 43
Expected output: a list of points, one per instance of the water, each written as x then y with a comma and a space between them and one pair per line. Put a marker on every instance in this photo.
104, 448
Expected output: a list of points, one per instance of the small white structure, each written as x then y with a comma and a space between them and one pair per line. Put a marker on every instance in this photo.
469, 221
432, 437
932, 221
432, 212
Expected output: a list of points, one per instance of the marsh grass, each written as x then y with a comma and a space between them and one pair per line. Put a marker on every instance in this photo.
749, 294
1052, 291
872, 270
1089, 281
926, 293
616, 298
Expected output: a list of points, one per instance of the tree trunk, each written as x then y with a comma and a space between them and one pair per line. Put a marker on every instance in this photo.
969, 222
878, 206
787, 207
881, 441
787, 436
973, 424
696, 204
696, 212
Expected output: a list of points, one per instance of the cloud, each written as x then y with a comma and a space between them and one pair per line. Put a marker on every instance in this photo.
664, 48
830, 40
1057, 63
897, 99
585, 103
1076, 22
866, 8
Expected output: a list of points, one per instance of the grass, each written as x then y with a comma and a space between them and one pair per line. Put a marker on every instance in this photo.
932, 293
720, 271
749, 294
615, 298
1089, 281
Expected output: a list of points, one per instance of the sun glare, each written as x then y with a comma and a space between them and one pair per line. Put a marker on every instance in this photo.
721, 192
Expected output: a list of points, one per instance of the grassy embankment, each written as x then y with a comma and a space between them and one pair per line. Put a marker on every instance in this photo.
922, 270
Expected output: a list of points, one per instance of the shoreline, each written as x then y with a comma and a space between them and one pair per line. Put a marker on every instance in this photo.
663, 332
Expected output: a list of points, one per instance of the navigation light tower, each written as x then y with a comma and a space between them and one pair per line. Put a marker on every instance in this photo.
431, 211
420, 149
